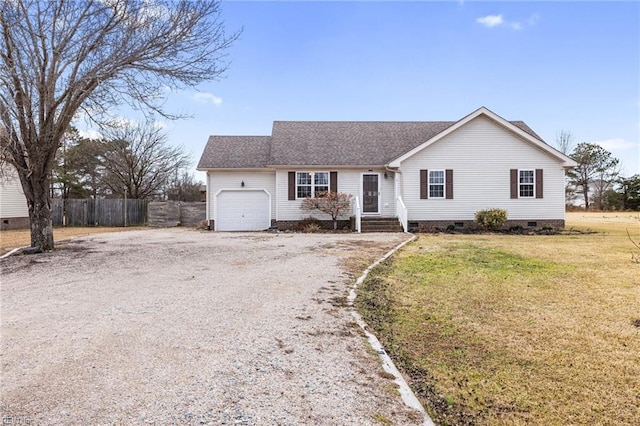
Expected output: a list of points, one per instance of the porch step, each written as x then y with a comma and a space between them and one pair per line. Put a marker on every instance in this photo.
380, 224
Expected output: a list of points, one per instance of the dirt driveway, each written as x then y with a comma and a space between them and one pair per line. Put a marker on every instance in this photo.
185, 327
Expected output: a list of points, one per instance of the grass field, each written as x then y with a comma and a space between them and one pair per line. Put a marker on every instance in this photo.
517, 329
14, 238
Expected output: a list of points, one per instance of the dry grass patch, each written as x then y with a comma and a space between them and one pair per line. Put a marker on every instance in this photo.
14, 238
504, 329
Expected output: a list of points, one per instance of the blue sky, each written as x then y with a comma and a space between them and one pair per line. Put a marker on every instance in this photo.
556, 65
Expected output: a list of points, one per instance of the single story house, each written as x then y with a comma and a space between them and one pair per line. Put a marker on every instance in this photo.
427, 173
14, 212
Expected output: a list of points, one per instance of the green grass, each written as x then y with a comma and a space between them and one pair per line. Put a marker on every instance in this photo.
499, 329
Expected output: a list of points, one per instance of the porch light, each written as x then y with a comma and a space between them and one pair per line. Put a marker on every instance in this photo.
242, 184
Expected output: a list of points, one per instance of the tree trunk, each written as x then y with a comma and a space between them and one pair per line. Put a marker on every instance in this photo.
40, 214
335, 224
41, 222
585, 191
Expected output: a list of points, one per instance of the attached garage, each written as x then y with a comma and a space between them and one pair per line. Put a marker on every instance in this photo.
242, 210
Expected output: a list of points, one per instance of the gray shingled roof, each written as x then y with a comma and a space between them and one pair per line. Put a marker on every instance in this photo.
337, 143
235, 152
348, 142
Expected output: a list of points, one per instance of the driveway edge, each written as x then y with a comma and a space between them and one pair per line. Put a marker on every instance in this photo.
11, 252
408, 397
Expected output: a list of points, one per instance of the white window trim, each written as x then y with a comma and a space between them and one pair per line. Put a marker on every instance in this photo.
520, 184
444, 184
313, 184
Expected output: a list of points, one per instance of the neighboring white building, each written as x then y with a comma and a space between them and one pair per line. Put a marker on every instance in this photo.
421, 173
14, 213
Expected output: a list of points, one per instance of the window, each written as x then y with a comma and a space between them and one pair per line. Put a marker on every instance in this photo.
303, 185
311, 184
436, 183
526, 183
320, 182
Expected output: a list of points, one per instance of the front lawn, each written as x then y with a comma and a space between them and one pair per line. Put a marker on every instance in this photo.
516, 329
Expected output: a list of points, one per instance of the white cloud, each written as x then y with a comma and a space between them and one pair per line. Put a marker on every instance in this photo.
490, 21
515, 25
207, 97
617, 144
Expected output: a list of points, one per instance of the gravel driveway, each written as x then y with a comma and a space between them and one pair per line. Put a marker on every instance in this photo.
184, 327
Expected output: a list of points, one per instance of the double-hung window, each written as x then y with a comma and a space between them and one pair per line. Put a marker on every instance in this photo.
436, 183
311, 184
526, 183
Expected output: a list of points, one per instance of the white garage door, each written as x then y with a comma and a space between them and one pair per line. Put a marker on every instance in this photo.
243, 210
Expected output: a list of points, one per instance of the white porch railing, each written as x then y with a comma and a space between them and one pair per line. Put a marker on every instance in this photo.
403, 214
357, 212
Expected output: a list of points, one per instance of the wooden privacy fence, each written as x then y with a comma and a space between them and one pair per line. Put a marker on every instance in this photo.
176, 213
99, 212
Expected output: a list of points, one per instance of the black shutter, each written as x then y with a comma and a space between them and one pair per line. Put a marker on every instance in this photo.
333, 181
292, 185
539, 183
449, 183
423, 185
514, 183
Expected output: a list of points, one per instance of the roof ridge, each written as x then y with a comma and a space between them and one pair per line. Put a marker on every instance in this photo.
364, 121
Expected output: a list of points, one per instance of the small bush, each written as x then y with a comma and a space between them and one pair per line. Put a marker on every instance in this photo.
451, 227
516, 229
491, 219
304, 223
311, 228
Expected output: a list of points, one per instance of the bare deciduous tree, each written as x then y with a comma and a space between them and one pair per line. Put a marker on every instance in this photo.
565, 141
138, 160
184, 187
334, 204
58, 58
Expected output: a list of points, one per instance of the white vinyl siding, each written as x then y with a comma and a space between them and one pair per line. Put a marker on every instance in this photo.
349, 181
13, 203
217, 180
481, 154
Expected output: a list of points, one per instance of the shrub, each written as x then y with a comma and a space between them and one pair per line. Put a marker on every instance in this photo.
308, 222
516, 229
491, 219
332, 203
311, 228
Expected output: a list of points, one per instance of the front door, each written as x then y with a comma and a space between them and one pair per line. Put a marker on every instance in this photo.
370, 194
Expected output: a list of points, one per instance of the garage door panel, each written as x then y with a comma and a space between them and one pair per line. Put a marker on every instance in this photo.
246, 210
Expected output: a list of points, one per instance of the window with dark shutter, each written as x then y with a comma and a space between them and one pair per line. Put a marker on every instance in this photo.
449, 182
539, 183
423, 184
292, 186
333, 182
514, 183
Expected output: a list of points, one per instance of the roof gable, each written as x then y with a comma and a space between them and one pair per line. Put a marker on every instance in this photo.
517, 127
